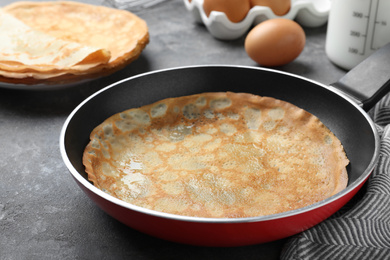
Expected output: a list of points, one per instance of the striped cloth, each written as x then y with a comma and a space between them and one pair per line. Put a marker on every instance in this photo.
361, 229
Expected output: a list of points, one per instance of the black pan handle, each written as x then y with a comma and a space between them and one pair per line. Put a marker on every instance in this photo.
369, 81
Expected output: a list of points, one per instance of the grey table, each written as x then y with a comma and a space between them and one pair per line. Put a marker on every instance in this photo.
45, 215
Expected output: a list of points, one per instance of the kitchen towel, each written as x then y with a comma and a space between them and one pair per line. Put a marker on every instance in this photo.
361, 229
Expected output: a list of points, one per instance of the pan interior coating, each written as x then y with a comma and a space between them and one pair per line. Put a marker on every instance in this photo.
216, 155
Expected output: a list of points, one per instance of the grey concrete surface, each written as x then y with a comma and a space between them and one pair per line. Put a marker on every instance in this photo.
45, 215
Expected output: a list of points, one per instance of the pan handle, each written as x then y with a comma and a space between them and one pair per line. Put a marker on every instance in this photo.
369, 81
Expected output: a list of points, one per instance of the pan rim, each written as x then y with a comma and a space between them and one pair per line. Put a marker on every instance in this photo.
78, 177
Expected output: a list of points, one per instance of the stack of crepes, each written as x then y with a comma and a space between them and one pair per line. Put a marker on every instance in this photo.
63, 42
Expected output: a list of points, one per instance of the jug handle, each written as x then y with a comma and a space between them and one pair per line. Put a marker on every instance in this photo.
369, 81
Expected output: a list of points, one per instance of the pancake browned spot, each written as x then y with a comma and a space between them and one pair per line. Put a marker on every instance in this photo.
220, 155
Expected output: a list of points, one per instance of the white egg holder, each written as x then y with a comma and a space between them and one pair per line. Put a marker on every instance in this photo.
308, 13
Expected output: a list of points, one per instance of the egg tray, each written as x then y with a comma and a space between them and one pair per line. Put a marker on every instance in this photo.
308, 13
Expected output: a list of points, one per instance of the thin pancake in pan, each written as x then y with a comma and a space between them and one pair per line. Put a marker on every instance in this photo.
218, 155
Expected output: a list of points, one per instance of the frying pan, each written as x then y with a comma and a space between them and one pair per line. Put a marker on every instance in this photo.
341, 111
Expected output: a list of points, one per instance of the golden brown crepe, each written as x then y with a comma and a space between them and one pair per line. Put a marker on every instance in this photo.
219, 155
114, 38
36, 51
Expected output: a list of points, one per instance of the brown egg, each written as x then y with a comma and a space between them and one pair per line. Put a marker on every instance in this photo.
279, 7
275, 42
235, 10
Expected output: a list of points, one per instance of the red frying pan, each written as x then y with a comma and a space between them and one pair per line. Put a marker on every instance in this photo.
341, 107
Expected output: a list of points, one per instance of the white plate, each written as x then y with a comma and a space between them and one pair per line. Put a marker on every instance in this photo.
43, 86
